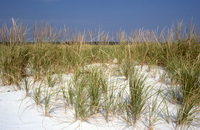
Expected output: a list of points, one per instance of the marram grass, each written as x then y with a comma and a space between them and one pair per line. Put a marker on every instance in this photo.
88, 93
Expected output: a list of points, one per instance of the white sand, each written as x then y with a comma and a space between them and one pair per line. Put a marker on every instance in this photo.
20, 113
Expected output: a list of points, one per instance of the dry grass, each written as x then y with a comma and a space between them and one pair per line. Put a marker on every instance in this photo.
176, 50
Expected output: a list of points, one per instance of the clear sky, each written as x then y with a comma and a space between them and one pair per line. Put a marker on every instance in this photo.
109, 15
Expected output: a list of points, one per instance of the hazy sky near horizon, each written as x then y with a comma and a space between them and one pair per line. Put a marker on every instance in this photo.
109, 15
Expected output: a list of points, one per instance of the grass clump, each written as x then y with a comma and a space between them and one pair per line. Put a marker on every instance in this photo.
80, 98
135, 104
86, 92
13, 63
27, 85
185, 72
47, 98
37, 92
190, 89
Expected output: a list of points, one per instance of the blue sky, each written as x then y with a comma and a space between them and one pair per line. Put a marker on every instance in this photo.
109, 15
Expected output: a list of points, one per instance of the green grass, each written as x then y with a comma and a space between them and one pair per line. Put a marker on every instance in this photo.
13, 63
135, 105
88, 93
47, 100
